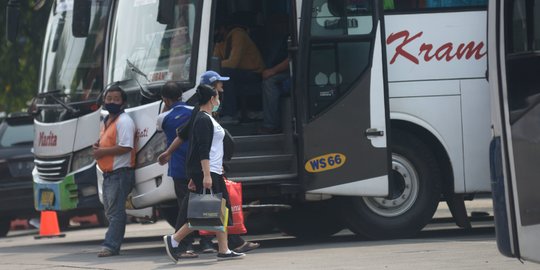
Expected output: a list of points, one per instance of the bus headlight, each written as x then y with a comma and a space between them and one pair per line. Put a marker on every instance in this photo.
82, 158
150, 152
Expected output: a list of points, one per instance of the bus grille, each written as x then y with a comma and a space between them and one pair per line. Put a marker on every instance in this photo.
52, 169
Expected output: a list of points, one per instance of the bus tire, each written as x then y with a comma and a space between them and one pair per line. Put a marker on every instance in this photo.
414, 194
312, 220
5, 224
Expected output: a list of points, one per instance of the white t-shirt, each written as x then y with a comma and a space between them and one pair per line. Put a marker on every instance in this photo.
216, 150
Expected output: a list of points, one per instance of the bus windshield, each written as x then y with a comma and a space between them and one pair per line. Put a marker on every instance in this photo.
151, 41
73, 66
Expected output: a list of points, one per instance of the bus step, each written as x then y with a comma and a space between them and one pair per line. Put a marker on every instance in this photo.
257, 144
264, 163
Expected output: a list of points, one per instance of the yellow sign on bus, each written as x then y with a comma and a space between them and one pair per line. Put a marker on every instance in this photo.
325, 162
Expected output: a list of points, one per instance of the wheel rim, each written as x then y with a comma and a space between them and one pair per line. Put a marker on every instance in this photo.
404, 191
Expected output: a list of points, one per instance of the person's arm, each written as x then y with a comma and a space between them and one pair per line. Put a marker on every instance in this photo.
207, 177
166, 155
219, 50
282, 66
204, 131
238, 42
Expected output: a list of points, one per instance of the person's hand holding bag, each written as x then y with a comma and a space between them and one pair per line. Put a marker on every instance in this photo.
207, 182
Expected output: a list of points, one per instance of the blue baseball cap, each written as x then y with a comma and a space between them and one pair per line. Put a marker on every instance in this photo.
211, 76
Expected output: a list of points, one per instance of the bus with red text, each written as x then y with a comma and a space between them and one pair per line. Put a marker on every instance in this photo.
388, 113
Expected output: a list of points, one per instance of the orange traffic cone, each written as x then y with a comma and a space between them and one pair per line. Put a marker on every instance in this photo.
48, 227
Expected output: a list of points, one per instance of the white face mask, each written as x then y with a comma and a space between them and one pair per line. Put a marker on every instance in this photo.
215, 108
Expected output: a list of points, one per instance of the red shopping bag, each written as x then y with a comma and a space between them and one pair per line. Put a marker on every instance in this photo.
235, 195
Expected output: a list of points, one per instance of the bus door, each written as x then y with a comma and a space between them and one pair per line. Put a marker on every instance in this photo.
514, 61
341, 98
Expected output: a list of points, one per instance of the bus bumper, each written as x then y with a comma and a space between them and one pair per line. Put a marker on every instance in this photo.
152, 186
76, 190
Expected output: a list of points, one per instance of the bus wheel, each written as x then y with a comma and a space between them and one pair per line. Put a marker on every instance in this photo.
309, 220
170, 214
415, 190
5, 223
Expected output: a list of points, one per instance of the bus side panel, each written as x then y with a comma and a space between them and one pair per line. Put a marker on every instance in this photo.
409, 103
476, 120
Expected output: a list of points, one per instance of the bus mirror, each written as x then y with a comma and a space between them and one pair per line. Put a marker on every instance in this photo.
165, 12
215, 64
81, 18
12, 20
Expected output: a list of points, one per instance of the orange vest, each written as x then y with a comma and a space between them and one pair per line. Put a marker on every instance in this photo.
108, 138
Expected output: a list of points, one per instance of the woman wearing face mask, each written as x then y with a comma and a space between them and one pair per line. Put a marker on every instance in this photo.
204, 166
115, 155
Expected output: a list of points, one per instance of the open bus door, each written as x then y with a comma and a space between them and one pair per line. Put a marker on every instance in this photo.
514, 62
341, 98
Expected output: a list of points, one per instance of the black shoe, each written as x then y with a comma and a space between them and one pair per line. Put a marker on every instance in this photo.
230, 256
207, 246
171, 251
247, 246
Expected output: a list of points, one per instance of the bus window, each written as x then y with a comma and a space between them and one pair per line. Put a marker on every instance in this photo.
438, 5
341, 17
336, 64
454, 3
525, 37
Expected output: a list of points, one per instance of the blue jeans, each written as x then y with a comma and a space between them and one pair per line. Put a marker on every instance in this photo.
116, 187
272, 89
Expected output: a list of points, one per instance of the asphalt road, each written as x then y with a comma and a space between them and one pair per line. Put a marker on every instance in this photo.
440, 246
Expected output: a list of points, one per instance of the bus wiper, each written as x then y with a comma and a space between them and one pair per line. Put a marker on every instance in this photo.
53, 96
136, 69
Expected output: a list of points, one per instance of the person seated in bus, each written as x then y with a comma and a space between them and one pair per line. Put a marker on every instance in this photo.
241, 60
276, 83
276, 79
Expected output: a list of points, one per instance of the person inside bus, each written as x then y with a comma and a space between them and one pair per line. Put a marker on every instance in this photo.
276, 79
176, 114
241, 60
115, 156
236, 242
205, 168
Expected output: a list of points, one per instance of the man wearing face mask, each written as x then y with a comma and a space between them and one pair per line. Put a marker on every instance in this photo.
115, 156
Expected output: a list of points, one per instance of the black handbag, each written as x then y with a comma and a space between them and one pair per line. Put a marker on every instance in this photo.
206, 209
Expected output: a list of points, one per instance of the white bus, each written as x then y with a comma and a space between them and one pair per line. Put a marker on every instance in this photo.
413, 78
514, 31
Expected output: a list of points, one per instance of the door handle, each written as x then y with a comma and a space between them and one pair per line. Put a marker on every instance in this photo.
373, 132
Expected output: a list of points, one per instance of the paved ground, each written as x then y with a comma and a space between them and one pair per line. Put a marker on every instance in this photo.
439, 246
